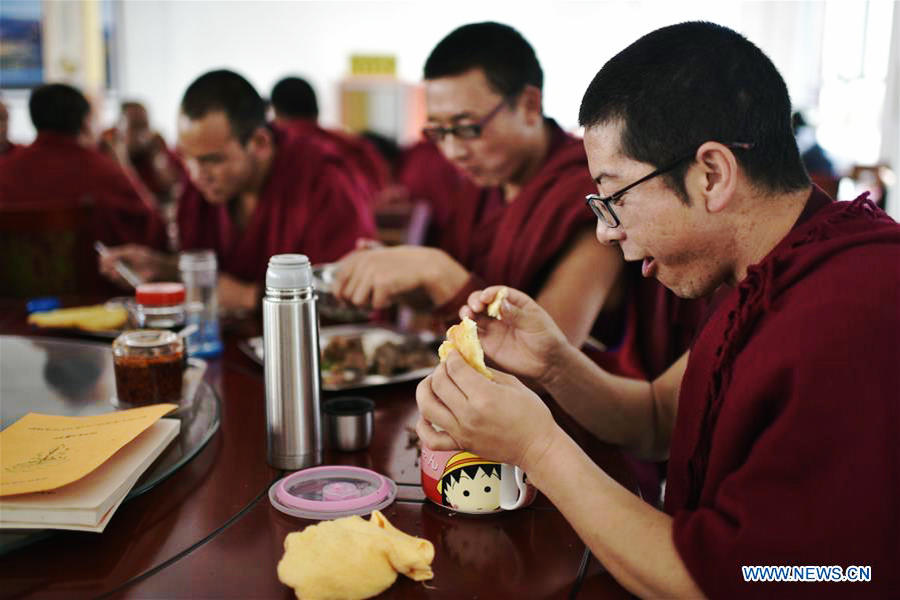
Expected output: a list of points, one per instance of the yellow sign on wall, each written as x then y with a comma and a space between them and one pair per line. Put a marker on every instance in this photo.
373, 64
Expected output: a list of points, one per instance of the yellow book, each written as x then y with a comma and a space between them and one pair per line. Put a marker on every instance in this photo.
89, 503
43, 452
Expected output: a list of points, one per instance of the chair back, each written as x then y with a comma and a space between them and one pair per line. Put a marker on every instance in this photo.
47, 250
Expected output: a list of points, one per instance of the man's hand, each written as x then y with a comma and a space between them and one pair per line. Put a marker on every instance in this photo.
377, 277
236, 295
148, 264
526, 341
499, 419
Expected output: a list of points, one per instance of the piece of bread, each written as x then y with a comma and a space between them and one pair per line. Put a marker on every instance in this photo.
493, 309
463, 337
100, 317
351, 558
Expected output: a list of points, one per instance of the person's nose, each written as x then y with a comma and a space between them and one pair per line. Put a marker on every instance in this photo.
453, 148
609, 235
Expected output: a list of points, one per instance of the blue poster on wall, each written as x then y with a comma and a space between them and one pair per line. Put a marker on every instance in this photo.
21, 57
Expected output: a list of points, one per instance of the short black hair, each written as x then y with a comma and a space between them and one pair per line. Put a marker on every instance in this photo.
58, 107
293, 97
226, 91
507, 59
680, 86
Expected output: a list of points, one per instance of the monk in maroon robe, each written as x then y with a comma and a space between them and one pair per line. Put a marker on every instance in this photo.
158, 167
255, 192
309, 204
796, 426
62, 168
516, 217
296, 110
781, 425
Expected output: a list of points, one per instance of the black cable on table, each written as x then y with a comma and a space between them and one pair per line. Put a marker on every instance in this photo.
186, 551
582, 571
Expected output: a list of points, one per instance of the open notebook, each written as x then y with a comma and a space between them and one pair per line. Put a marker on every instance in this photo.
88, 503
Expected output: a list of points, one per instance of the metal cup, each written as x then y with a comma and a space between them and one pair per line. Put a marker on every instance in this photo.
349, 422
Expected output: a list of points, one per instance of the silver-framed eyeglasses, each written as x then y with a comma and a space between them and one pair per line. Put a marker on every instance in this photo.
603, 207
467, 131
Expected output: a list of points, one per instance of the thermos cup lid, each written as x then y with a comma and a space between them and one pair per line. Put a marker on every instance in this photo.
289, 271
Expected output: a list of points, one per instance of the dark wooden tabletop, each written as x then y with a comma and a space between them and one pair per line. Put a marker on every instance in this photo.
209, 530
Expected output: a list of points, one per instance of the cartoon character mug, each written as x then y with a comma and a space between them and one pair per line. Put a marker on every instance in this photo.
467, 483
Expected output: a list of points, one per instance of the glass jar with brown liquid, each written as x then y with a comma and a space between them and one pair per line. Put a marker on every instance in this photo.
149, 367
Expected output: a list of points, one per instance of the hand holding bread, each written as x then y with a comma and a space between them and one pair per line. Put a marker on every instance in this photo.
523, 339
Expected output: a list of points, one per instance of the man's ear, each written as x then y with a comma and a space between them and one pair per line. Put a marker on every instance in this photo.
261, 140
531, 100
714, 176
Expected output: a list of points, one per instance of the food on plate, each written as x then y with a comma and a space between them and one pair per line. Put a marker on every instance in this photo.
100, 317
352, 558
493, 309
350, 358
463, 337
392, 358
344, 360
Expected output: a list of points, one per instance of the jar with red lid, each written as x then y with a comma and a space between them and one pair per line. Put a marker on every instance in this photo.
160, 306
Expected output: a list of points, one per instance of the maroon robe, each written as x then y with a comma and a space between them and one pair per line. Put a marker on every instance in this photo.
427, 176
786, 449
9, 150
309, 204
56, 170
361, 154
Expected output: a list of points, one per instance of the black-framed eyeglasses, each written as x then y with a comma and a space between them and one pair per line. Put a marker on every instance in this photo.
468, 131
603, 207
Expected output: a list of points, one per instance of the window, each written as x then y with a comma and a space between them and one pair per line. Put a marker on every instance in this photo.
855, 53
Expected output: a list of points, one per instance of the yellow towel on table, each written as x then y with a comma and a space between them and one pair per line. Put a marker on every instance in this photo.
100, 317
351, 558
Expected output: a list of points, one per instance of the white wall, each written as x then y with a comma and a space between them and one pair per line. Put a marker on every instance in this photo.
165, 44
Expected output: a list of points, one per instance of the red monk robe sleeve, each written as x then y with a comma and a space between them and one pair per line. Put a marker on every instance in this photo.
340, 214
806, 452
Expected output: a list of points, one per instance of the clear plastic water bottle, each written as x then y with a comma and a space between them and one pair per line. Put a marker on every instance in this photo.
291, 359
199, 274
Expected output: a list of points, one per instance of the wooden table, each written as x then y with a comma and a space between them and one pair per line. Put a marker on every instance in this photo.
209, 530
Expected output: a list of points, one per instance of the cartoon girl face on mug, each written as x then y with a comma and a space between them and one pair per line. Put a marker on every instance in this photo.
467, 483
470, 484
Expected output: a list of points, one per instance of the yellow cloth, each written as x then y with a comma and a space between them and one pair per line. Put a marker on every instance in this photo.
91, 318
351, 558
464, 338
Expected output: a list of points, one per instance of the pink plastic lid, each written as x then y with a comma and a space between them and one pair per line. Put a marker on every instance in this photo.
329, 492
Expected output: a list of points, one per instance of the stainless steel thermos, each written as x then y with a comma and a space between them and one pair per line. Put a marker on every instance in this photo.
291, 358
